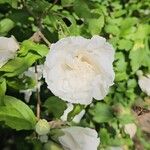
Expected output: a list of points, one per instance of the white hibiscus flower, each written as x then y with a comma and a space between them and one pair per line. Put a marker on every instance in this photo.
144, 83
8, 48
78, 69
79, 138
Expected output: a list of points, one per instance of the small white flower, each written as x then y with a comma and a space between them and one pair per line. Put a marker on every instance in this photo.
130, 129
79, 138
27, 94
31, 73
78, 69
66, 112
144, 83
79, 116
76, 118
8, 48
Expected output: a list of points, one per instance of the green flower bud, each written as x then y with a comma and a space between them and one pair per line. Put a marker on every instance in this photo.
52, 146
42, 127
44, 138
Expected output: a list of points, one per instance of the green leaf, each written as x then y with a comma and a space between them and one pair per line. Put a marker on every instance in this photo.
29, 45
114, 21
17, 114
55, 106
67, 2
113, 29
5, 26
128, 22
73, 28
104, 136
118, 13
52, 146
125, 44
96, 25
20, 16
114, 41
23, 83
79, 10
126, 118
121, 64
121, 86
140, 54
131, 83
2, 91
120, 67
137, 57
120, 76
101, 112
130, 94
13, 3
142, 32
38, 6
19, 64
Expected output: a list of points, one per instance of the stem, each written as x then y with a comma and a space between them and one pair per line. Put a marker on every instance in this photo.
37, 94
37, 36
44, 38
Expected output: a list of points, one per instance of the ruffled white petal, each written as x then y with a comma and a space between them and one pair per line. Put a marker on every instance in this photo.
79, 138
78, 69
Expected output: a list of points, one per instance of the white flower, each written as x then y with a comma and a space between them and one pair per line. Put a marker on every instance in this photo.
66, 112
31, 72
130, 129
8, 48
79, 138
76, 118
79, 116
35, 76
78, 69
144, 83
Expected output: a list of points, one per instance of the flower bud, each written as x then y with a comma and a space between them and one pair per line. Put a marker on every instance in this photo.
43, 138
52, 146
42, 127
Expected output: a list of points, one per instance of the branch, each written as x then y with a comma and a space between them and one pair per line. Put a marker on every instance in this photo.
37, 36
38, 111
44, 38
